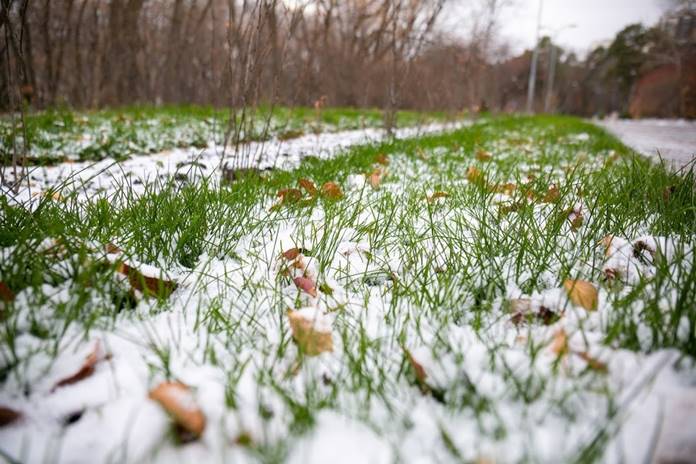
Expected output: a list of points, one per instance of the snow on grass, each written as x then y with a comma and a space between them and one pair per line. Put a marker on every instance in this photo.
429, 360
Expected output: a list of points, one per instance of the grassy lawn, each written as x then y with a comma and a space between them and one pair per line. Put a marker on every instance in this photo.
495, 293
120, 133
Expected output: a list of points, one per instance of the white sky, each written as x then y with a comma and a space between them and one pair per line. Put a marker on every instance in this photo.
595, 21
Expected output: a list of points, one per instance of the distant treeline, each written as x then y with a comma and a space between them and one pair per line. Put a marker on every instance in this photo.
377, 53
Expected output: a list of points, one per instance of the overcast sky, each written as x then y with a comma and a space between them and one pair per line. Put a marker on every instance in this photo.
595, 20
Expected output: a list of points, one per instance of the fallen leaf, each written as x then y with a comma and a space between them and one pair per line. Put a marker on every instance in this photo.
86, 370
581, 293
6, 293
331, 191
483, 155
289, 195
291, 254
607, 241
110, 248
559, 345
508, 188
576, 219
375, 178
310, 336
437, 195
309, 186
179, 402
149, 285
474, 175
382, 159
552, 194
593, 363
8, 416
417, 367
305, 284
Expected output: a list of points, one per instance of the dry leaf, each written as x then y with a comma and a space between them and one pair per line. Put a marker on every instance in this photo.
474, 175
382, 159
6, 293
8, 416
576, 219
291, 195
375, 178
110, 248
559, 345
483, 155
418, 369
582, 293
331, 191
593, 363
86, 370
507, 188
312, 339
307, 285
149, 285
291, 254
606, 241
552, 194
178, 400
309, 186
437, 195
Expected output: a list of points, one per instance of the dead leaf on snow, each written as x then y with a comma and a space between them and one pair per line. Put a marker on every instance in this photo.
179, 402
332, 191
559, 345
375, 178
382, 159
581, 293
417, 367
592, 363
552, 194
474, 175
291, 254
309, 187
309, 336
289, 195
306, 285
437, 195
149, 285
483, 155
8, 416
86, 370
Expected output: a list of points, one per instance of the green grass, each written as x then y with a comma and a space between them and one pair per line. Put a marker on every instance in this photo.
60, 134
436, 277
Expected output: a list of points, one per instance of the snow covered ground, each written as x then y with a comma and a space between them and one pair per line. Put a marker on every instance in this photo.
671, 140
386, 291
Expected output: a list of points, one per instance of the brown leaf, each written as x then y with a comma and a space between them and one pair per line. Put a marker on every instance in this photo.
437, 195
149, 285
311, 340
307, 285
559, 345
576, 219
309, 186
474, 175
582, 293
382, 159
111, 248
8, 416
289, 195
332, 191
606, 241
6, 293
291, 254
179, 402
85, 371
552, 194
507, 188
483, 155
593, 363
417, 367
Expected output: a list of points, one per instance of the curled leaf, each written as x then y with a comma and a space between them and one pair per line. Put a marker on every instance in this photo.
290, 195
179, 402
309, 186
437, 195
311, 332
291, 254
8, 416
86, 370
581, 293
332, 191
483, 155
306, 285
474, 175
148, 284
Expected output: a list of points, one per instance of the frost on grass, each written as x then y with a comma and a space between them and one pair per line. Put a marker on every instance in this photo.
454, 310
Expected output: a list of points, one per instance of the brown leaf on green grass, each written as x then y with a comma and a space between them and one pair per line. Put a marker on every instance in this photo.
437, 195
507, 188
178, 401
582, 293
289, 195
576, 219
375, 177
6, 294
483, 155
306, 285
382, 159
332, 191
86, 370
291, 254
552, 194
8, 416
417, 367
606, 242
110, 248
559, 345
309, 186
149, 285
474, 175
312, 340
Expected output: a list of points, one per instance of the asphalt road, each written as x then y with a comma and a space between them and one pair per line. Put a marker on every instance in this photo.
671, 140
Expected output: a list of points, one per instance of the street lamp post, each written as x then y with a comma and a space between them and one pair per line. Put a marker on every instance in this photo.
535, 59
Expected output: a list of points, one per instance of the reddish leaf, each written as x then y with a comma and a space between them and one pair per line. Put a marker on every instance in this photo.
375, 178
475, 176
8, 416
85, 371
309, 186
291, 254
178, 400
552, 194
306, 285
593, 363
331, 191
291, 195
582, 293
6, 293
149, 285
